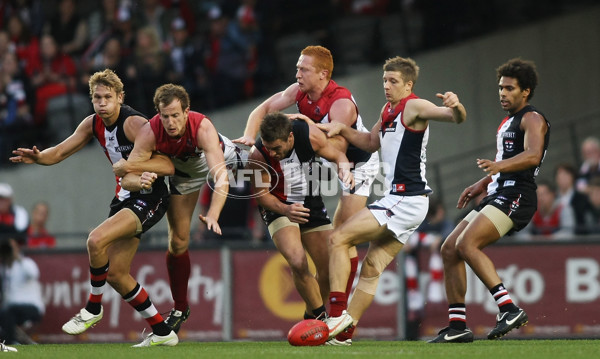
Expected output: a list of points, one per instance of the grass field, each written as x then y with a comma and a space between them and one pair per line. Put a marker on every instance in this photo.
527, 349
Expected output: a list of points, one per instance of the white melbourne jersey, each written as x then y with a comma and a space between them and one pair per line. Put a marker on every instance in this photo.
403, 152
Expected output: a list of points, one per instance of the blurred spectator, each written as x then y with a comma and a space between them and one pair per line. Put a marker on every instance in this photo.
568, 196
16, 123
6, 46
552, 220
230, 53
110, 58
68, 29
26, 44
31, 11
594, 196
37, 234
146, 71
102, 20
590, 153
187, 67
240, 218
13, 217
153, 14
22, 302
248, 26
52, 74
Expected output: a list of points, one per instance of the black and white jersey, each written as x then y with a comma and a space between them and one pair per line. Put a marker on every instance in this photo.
117, 146
295, 177
510, 141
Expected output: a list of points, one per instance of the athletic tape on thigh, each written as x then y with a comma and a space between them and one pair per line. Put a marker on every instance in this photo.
501, 221
325, 227
279, 223
380, 259
138, 223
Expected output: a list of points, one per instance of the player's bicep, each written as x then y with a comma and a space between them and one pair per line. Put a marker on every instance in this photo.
535, 128
281, 100
144, 145
343, 111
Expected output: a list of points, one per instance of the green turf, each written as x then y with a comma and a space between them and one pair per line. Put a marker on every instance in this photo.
526, 349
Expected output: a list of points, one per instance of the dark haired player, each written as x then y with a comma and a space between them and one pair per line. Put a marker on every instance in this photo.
521, 141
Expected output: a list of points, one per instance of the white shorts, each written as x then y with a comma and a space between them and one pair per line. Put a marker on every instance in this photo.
364, 175
401, 214
192, 173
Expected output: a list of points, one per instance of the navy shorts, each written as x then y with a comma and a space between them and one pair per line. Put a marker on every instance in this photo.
149, 209
318, 214
517, 203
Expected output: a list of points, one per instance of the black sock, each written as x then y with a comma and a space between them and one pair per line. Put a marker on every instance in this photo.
318, 311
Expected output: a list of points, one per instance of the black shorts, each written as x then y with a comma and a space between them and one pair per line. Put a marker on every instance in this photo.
517, 203
318, 214
149, 209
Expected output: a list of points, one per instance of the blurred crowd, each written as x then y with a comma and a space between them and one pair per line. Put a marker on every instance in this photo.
221, 51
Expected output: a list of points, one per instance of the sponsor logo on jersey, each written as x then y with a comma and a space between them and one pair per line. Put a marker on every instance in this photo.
398, 187
499, 201
509, 183
124, 148
509, 134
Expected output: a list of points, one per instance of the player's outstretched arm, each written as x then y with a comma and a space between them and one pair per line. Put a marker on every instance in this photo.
327, 150
277, 102
367, 141
208, 140
52, 155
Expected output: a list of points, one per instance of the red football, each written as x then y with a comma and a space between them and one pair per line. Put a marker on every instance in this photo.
309, 332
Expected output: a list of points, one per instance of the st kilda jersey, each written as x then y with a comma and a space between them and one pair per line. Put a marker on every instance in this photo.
318, 111
295, 178
403, 152
509, 143
116, 146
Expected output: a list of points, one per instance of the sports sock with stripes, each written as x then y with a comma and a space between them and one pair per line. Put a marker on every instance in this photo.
140, 301
98, 282
503, 300
457, 315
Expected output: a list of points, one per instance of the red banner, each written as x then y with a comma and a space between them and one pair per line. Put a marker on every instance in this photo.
558, 285
265, 303
66, 286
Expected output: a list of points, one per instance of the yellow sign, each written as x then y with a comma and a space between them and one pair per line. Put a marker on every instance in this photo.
277, 287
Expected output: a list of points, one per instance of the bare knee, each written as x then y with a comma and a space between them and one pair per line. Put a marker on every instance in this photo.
298, 266
448, 251
96, 243
178, 244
